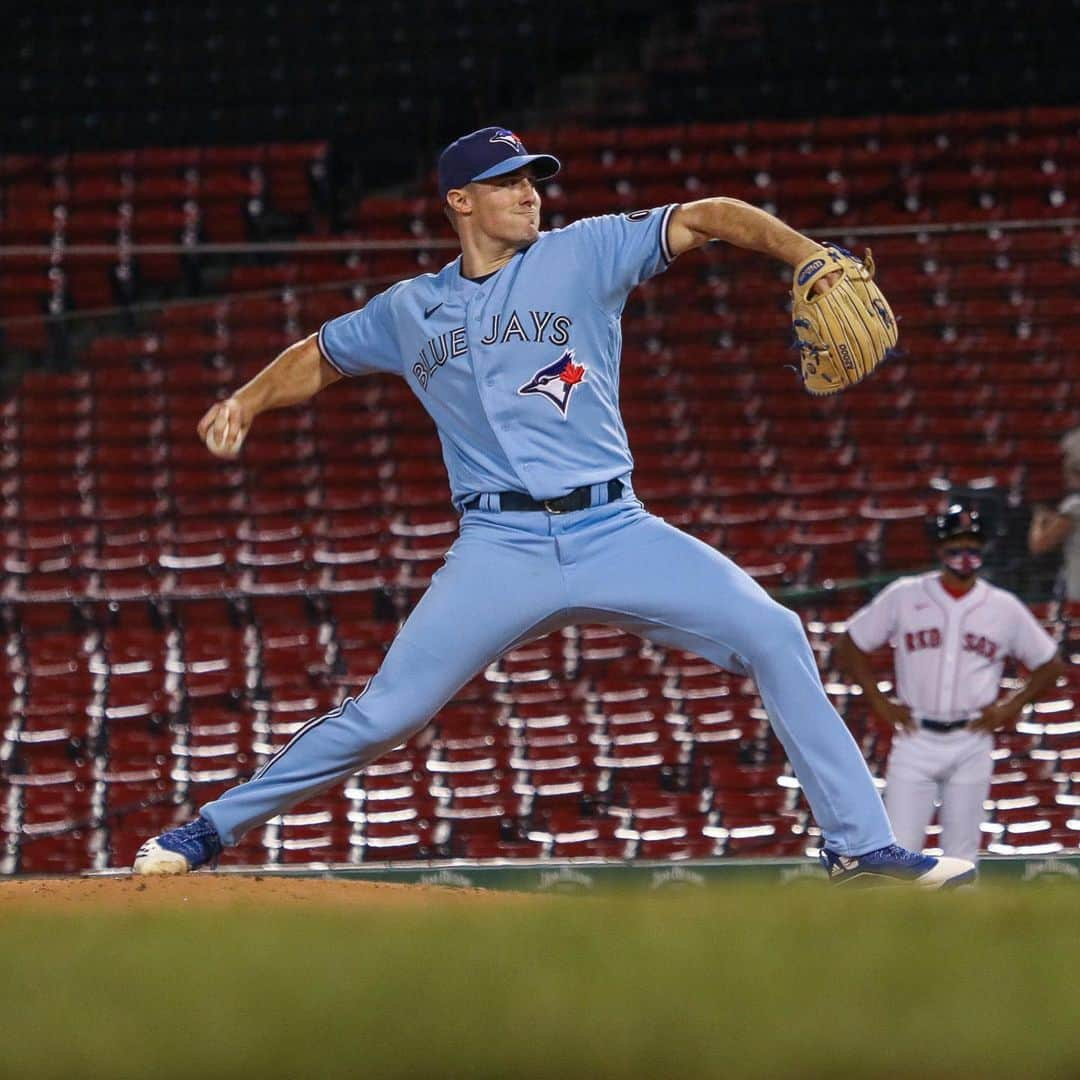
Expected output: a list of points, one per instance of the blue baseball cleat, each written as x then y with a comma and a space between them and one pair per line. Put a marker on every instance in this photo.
179, 850
894, 865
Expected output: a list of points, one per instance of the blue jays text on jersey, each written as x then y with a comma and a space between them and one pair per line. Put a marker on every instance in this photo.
513, 329
453, 343
489, 360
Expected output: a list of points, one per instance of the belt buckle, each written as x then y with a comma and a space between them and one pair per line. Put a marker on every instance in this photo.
551, 509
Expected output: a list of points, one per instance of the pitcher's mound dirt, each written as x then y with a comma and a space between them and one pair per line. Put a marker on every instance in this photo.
221, 890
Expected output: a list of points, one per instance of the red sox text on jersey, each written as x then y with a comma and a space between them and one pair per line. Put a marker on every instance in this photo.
930, 638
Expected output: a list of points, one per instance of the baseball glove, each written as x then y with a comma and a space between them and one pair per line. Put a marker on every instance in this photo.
842, 334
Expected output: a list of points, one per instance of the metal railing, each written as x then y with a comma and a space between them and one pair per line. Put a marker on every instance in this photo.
340, 245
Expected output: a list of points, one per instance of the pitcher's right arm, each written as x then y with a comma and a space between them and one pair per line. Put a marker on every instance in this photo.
299, 373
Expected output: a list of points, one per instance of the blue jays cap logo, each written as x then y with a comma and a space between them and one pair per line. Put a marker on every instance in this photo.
556, 382
511, 140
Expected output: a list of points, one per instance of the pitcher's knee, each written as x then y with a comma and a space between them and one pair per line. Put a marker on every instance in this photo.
777, 630
371, 722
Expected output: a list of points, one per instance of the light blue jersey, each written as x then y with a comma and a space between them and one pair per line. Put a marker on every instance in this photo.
520, 372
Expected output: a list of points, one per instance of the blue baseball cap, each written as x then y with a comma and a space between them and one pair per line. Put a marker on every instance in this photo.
485, 154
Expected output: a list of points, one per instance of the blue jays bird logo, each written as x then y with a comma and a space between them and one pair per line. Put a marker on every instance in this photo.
511, 140
556, 382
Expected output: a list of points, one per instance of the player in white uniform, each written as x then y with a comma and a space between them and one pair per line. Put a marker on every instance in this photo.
951, 633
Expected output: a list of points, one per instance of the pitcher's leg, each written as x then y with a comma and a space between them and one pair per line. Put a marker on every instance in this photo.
674, 589
486, 597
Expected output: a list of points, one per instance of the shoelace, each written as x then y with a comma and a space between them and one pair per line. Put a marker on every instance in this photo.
895, 853
200, 832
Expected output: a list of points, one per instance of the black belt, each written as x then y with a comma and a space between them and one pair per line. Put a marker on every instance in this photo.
942, 726
578, 499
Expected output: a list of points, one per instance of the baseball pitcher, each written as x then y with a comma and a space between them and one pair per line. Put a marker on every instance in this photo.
514, 350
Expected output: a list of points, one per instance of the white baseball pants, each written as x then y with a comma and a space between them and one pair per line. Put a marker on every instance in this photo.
954, 767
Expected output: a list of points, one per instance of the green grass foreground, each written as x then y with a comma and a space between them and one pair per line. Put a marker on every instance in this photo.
800, 982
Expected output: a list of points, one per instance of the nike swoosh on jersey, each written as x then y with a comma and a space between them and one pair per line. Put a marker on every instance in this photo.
428, 312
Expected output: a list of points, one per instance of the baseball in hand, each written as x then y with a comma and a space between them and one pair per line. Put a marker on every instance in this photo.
215, 440
224, 436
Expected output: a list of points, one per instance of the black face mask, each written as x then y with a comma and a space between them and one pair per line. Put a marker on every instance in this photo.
963, 562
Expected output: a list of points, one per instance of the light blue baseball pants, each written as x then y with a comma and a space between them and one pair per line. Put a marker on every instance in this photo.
512, 577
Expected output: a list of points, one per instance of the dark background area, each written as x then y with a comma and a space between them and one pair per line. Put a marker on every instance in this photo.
391, 82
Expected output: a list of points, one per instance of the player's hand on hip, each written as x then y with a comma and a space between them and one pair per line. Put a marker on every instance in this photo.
224, 427
992, 718
895, 715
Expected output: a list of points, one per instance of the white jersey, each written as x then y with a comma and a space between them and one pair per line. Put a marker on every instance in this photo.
949, 651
